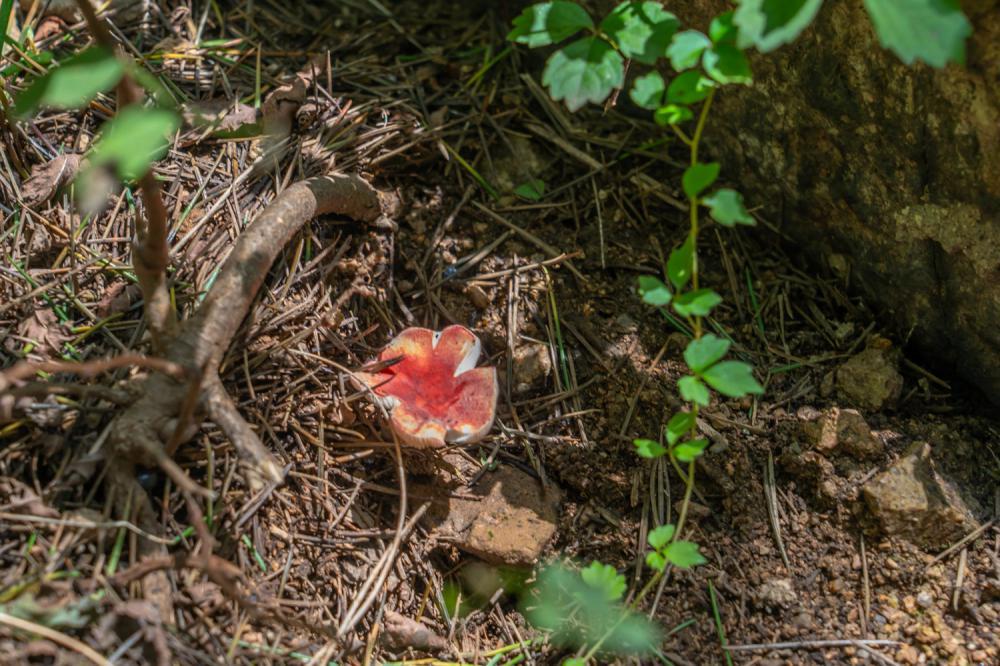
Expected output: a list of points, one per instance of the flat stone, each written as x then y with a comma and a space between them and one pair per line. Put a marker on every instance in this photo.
913, 502
777, 592
508, 520
870, 379
532, 364
840, 431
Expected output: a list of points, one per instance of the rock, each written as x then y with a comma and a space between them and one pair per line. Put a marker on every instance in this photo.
776, 592
839, 431
870, 380
479, 298
401, 632
913, 502
509, 524
532, 364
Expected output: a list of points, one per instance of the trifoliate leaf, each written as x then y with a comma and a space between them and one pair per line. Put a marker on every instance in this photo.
647, 91
642, 30
672, 114
686, 48
73, 83
684, 554
688, 451
930, 30
549, 23
693, 390
698, 177
653, 291
660, 536
689, 87
727, 64
767, 24
603, 577
726, 207
697, 303
586, 70
732, 378
705, 351
648, 448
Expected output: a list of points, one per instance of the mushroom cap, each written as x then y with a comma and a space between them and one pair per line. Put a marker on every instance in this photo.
434, 391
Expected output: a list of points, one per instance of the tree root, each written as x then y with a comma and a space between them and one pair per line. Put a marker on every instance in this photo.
156, 421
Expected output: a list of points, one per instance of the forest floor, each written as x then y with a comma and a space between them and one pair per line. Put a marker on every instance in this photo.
428, 101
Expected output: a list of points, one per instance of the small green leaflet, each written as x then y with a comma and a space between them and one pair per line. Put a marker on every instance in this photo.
697, 303
690, 87
684, 554
647, 91
659, 537
656, 561
726, 207
930, 30
653, 291
679, 425
723, 30
767, 24
688, 451
672, 114
680, 263
603, 577
586, 70
134, 139
699, 176
642, 30
686, 48
549, 23
73, 83
727, 64
732, 378
693, 390
706, 350
648, 448
532, 189
574, 661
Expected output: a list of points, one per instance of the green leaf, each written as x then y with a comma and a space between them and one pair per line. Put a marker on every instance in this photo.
690, 87
656, 561
548, 23
680, 264
732, 378
697, 303
653, 291
153, 86
586, 70
699, 176
679, 425
642, 30
603, 577
574, 661
726, 207
648, 448
532, 189
727, 64
134, 139
647, 91
660, 537
672, 114
722, 30
767, 24
693, 390
684, 554
930, 30
73, 83
688, 451
705, 351
686, 48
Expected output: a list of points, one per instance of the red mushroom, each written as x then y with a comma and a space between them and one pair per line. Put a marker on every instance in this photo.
430, 385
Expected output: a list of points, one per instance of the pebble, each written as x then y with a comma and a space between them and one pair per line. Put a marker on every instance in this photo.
925, 599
